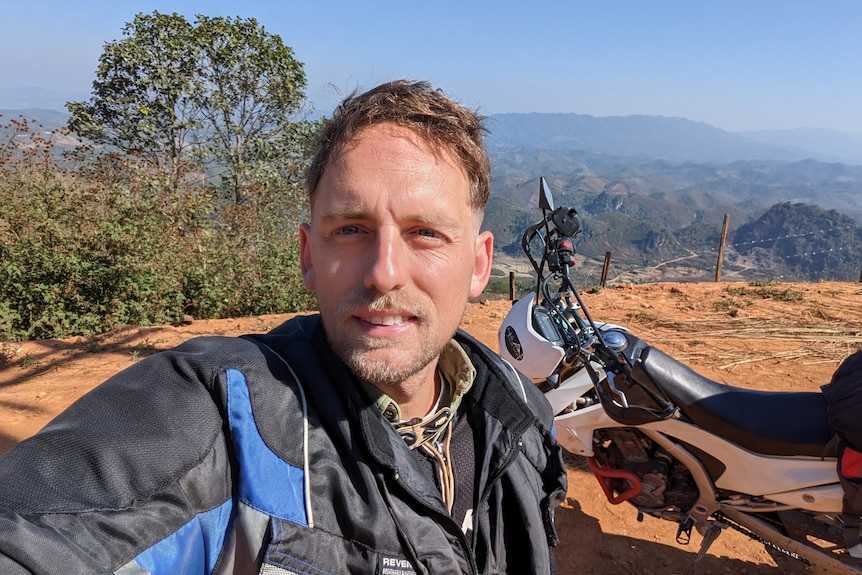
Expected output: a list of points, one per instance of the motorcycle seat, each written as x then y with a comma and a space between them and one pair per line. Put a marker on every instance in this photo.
784, 423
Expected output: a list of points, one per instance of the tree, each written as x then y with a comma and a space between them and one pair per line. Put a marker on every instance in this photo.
222, 91
141, 102
250, 87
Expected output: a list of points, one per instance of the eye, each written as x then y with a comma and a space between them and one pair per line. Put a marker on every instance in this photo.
347, 230
431, 237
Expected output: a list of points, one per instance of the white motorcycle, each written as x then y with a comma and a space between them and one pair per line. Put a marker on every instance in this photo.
673, 443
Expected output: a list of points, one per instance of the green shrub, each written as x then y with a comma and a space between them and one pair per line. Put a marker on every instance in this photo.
108, 240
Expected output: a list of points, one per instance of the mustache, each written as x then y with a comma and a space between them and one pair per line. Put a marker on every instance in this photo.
373, 300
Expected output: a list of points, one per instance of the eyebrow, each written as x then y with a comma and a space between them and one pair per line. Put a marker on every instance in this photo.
356, 213
347, 213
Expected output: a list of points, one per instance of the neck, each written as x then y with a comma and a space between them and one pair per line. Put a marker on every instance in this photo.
417, 396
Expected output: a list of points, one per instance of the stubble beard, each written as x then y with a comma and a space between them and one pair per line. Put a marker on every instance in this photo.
358, 353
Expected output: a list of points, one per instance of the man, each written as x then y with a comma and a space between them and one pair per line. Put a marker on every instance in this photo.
372, 438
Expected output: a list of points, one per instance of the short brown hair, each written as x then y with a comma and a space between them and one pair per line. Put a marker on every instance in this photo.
421, 108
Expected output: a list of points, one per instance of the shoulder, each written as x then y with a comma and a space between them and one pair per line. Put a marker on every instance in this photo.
207, 357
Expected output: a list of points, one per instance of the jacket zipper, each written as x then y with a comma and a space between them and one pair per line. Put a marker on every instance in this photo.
510, 457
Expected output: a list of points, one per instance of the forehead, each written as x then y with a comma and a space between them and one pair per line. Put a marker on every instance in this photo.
385, 159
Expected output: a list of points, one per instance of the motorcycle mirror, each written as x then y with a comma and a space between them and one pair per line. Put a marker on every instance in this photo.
546, 200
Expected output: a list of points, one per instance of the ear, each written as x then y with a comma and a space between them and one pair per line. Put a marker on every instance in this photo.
305, 265
482, 263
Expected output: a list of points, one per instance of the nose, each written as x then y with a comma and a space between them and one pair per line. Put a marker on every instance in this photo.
387, 262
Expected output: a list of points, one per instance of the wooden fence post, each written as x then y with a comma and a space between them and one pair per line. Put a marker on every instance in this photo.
721, 248
605, 267
511, 286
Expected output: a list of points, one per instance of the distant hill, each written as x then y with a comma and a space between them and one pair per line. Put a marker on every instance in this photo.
48, 119
802, 241
698, 188
665, 138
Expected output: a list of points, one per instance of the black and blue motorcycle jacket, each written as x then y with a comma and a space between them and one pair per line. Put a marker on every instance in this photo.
261, 454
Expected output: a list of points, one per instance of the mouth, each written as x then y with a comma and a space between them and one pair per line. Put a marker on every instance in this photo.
386, 320
386, 316
386, 323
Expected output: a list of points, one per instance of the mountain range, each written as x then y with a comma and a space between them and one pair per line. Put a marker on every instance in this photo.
658, 137
667, 138
655, 191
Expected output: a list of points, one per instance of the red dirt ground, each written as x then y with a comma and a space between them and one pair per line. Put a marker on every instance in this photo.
783, 336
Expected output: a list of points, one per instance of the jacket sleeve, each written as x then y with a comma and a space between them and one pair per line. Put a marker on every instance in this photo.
130, 464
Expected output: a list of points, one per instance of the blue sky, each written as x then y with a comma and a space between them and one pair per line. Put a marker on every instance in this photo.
735, 64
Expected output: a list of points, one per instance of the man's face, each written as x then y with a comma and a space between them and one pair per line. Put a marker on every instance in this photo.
393, 253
